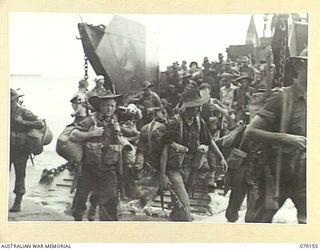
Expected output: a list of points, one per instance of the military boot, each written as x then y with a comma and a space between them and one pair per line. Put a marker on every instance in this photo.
92, 212
17, 204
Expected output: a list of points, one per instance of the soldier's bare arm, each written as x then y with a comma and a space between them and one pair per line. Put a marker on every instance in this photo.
77, 135
34, 124
218, 153
257, 130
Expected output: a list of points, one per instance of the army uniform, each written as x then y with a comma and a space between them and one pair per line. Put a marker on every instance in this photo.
19, 150
100, 168
193, 135
293, 164
242, 182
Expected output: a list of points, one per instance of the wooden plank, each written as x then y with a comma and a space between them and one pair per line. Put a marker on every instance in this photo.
192, 201
194, 209
63, 185
196, 196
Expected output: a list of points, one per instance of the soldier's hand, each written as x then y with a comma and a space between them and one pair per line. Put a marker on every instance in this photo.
38, 124
18, 118
97, 131
164, 182
297, 141
224, 165
212, 106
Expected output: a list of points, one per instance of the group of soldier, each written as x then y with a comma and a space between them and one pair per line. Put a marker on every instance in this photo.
197, 119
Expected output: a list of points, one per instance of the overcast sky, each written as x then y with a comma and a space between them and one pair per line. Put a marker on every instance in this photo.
46, 44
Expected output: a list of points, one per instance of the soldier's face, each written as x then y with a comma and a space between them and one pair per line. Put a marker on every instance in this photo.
244, 83
108, 107
100, 83
161, 114
227, 82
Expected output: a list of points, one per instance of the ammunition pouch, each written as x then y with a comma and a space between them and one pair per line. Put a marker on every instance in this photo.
176, 154
112, 154
93, 153
139, 161
236, 158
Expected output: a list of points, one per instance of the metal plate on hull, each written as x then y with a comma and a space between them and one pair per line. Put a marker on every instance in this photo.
124, 52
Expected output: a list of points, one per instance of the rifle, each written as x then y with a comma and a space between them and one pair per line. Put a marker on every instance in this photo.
170, 189
77, 173
178, 201
285, 116
271, 185
174, 194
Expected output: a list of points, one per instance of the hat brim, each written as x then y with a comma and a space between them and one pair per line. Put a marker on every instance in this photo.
185, 76
95, 100
295, 59
203, 100
149, 86
244, 77
224, 76
299, 57
16, 96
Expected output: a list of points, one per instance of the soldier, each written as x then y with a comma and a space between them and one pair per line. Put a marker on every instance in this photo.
185, 132
79, 101
193, 68
226, 90
101, 161
241, 99
241, 180
99, 80
281, 126
228, 68
185, 81
148, 100
172, 98
246, 68
21, 121
149, 152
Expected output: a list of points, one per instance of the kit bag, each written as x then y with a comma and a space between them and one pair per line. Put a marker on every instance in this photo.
37, 138
69, 150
